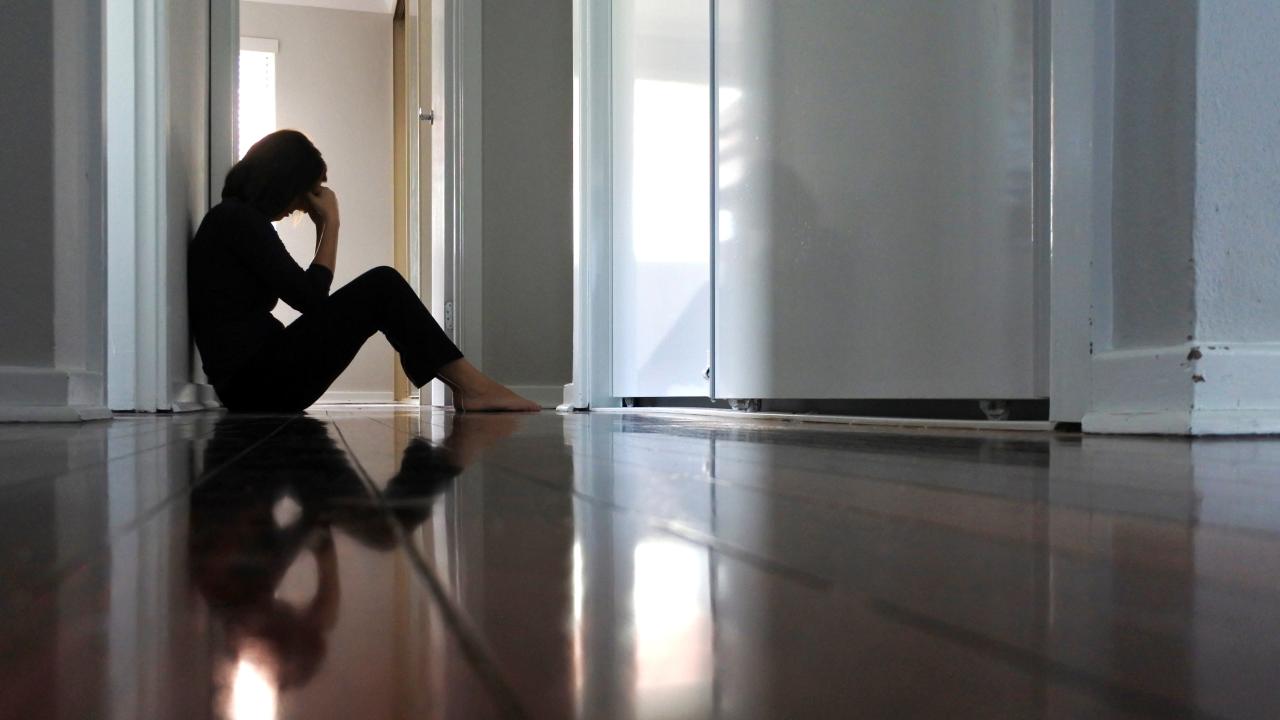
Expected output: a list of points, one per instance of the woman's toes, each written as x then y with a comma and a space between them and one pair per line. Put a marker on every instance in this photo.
496, 399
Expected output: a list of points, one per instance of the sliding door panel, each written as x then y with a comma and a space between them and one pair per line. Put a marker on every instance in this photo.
661, 197
874, 234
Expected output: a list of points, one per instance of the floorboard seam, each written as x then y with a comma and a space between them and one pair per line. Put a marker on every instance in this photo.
469, 641
1110, 692
674, 528
92, 554
107, 461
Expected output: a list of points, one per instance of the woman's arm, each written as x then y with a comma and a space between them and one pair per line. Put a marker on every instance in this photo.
322, 207
251, 237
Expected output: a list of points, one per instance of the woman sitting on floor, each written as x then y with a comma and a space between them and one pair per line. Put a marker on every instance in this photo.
239, 268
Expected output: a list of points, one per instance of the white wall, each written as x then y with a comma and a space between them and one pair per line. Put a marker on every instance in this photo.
528, 182
52, 175
1238, 172
1155, 173
186, 174
1195, 347
1082, 85
334, 82
26, 182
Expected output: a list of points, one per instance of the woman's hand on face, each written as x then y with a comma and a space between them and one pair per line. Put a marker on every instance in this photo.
322, 206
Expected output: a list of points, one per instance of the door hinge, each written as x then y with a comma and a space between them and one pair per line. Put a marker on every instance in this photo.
427, 116
448, 315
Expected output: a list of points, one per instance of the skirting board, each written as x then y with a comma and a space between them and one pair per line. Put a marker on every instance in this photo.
346, 397
50, 395
192, 397
1199, 388
548, 396
568, 399
1007, 425
54, 414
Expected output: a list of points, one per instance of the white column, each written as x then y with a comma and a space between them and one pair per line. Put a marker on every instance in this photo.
1194, 346
52, 337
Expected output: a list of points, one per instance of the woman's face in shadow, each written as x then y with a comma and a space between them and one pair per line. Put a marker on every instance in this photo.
301, 204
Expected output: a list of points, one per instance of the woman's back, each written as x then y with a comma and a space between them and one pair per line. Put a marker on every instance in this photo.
237, 270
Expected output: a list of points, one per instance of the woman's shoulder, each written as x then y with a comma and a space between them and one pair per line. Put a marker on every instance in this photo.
237, 209
236, 216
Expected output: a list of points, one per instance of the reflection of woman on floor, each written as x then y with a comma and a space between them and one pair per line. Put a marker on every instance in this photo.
239, 268
241, 545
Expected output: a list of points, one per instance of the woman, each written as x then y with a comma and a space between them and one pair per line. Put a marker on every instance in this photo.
239, 268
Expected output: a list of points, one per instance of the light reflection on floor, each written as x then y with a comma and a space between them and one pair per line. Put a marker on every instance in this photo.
382, 563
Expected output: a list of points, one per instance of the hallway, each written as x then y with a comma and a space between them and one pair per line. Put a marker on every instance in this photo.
377, 562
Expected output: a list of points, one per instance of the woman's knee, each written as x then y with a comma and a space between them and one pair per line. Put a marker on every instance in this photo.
383, 279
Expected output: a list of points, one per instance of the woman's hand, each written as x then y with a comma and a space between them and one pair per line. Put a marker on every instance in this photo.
322, 207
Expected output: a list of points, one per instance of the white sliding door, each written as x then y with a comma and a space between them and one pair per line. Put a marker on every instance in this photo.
661, 53
875, 195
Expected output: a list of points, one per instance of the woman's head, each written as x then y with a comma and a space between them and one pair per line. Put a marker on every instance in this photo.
275, 172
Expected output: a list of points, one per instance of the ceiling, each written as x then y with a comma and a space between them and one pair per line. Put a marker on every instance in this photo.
375, 6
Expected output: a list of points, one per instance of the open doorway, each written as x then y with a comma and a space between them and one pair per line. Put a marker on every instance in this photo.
329, 69
173, 90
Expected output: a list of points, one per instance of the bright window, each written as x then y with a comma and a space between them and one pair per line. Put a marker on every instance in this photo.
257, 93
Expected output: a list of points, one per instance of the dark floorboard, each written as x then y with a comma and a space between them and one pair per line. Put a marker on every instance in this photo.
381, 562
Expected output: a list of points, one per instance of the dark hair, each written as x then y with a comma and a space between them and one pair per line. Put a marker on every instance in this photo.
275, 171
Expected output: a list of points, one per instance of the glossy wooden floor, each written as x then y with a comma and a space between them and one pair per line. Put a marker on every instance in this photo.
381, 563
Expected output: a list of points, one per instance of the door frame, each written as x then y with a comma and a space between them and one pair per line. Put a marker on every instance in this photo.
592, 208
139, 319
455, 261
136, 68
400, 101
1072, 58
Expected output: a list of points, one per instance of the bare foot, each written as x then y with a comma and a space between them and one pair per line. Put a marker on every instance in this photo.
497, 398
473, 391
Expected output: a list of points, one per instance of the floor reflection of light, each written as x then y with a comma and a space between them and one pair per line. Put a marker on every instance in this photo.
253, 696
577, 616
286, 511
673, 631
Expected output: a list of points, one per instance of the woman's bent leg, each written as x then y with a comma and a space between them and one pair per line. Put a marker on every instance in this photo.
304, 361
425, 350
382, 300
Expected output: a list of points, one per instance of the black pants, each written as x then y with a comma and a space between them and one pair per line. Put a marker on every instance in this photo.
296, 368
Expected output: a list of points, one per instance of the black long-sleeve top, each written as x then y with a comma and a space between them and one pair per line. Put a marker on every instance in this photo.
237, 270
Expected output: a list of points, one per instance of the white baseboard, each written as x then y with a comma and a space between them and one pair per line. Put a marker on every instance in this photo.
548, 396
53, 413
888, 422
50, 395
192, 397
1235, 422
1147, 391
569, 399
349, 397
1197, 388
1118, 422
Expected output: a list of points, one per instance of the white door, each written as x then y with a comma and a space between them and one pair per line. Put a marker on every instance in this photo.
661, 159
874, 210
